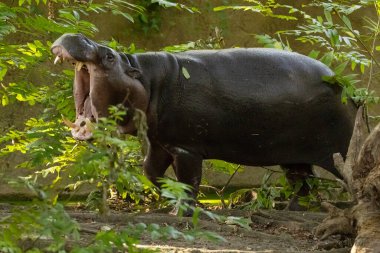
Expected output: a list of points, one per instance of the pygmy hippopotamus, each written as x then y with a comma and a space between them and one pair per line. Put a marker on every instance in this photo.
250, 106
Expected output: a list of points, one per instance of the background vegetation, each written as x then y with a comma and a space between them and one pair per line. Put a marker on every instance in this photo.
337, 32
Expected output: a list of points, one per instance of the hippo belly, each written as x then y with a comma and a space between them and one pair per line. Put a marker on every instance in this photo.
261, 135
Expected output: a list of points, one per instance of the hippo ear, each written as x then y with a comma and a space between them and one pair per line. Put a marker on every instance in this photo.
133, 72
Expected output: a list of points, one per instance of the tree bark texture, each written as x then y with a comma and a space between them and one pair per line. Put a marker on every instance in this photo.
361, 172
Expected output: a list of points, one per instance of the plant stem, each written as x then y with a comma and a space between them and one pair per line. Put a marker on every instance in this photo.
221, 192
373, 46
229, 180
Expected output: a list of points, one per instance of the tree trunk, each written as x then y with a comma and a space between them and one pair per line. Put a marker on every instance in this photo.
361, 171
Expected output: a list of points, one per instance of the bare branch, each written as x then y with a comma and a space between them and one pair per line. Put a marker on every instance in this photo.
369, 155
358, 136
338, 222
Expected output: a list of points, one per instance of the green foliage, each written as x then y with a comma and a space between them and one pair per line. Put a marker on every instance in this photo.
269, 8
47, 222
214, 41
169, 4
270, 42
262, 198
121, 7
271, 193
111, 160
321, 190
6, 14
150, 19
223, 166
42, 220
176, 194
341, 45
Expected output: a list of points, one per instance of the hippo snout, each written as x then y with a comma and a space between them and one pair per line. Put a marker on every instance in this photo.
74, 47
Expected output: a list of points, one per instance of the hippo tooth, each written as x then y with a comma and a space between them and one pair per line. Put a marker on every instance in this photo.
79, 65
57, 59
70, 124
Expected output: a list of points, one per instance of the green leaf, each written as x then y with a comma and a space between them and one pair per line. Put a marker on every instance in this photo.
165, 3
185, 73
3, 71
195, 217
5, 100
377, 48
328, 58
320, 19
314, 54
20, 97
347, 40
339, 69
347, 22
362, 68
344, 96
353, 65
329, 79
32, 47
328, 17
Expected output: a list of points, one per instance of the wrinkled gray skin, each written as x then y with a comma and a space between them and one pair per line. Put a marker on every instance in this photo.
255, 107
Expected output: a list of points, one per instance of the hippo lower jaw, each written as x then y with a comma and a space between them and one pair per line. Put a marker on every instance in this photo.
83, 127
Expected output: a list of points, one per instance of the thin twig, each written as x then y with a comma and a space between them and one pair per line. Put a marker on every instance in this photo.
272, 170
373, 46
220, 192
229, 180
89, 231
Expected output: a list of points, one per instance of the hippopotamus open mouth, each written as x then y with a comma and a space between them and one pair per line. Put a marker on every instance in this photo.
80, 129
103, 77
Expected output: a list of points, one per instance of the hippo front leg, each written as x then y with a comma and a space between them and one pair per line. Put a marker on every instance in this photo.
188, 169
156, 163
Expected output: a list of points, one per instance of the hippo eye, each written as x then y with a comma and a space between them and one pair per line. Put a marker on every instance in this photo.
110, 57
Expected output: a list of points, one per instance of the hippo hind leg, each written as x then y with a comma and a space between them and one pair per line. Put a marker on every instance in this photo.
296, 174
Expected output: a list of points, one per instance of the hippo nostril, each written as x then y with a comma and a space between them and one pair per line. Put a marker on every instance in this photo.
83, 123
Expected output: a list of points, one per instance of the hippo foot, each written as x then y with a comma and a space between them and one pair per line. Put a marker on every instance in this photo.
187, 212
294, 205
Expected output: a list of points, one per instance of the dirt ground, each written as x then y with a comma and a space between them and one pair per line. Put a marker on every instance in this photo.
270, 231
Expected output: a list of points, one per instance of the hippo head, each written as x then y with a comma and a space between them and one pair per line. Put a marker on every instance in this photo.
103, 77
